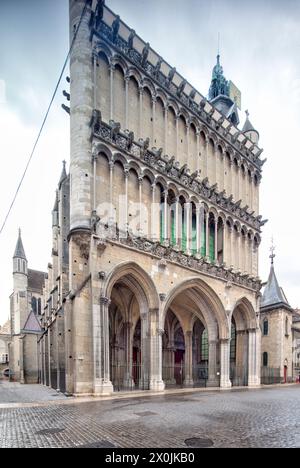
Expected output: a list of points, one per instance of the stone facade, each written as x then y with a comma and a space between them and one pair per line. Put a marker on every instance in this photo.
154, 275
4, 342
26, 304
280, 334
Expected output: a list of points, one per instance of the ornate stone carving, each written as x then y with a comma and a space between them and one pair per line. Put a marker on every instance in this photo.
115, 28
145, 54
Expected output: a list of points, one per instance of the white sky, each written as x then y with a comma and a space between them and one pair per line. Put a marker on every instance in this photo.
260, 53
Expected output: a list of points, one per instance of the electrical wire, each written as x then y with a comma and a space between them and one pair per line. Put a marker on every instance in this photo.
44, 120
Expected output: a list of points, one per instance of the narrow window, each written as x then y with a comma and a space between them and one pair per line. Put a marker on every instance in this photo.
266, 328
265, 359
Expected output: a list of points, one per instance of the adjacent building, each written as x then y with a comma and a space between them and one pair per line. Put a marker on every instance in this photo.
25, 312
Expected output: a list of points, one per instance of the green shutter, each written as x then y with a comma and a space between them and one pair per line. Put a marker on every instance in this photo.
203, 239
212, 243
173, 228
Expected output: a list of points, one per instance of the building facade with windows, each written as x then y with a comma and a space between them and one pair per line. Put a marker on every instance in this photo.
26, 304
280, 344
156, 230
4, 342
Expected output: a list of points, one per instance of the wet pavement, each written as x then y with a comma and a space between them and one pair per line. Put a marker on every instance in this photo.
267, 417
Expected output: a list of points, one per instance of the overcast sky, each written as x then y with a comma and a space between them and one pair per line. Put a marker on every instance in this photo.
260, 53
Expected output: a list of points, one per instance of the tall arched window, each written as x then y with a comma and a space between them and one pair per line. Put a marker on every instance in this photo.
194, 229
34, 305
203, 238
286, 326
212, 239
265, 359
266, 327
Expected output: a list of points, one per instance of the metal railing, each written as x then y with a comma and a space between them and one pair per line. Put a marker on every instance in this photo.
238, 375
270, 375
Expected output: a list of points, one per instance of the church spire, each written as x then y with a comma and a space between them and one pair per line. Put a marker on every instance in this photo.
63, 174
219, 85
19, 250
273, 296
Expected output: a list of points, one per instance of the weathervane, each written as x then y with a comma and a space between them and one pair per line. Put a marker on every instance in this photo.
272, 250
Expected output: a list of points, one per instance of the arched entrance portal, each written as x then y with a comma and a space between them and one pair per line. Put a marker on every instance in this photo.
128, 340
196, 335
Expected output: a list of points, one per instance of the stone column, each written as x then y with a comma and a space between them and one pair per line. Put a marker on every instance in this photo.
154, 231
188, 365
223, 172
177, 137
153, 119
213, 380
127, 102
141, 91
166, 129
188, 143
177, 222
155, 334
231, 187
112, 70
111, 191
141, 228
250, 253
95, 83
145, 352
199, 224
216, 165
206, 158
225, 363
198, 167
128, 379
126, 199
254, 358
232, 256
102, 383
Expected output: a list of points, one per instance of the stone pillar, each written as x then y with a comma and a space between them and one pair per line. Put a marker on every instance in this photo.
112, 209
141, 91
199, 224
198, 167
153, 119
102, 383
127, 102
188, 365
128, 379
254, 358
177, 137
206, 159
225, 363
141, 227
177, 222
213, 380
156, 382
223, 162
112, 71
69, 347
166, 130
145, 352
188, 143
216, 165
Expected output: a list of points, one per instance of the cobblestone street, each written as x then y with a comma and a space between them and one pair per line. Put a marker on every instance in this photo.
268, 417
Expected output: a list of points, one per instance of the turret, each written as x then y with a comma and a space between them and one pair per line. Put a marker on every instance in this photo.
20, 264
249, 131
219, 94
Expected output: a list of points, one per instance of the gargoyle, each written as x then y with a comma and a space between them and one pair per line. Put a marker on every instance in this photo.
181, 88
183, 170
157, 153
195, 175
99, 13
145, 54
230, 198
115, 130
130, 39
202, 103
222, 194
238, 204
94, 221
205, 182
130, 140
170, 164
96, 120
171, 76
214, 187
115, 28
158, 67
145, 145
192, 94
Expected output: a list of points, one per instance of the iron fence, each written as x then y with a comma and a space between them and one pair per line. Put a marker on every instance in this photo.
270, 375
238, 375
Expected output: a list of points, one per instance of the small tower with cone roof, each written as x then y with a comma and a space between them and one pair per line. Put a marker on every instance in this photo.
249, 131
276, 326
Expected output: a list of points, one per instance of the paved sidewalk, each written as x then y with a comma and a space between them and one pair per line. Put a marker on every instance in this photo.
15, 393
267, 417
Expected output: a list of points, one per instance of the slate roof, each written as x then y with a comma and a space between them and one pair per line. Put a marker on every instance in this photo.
273, 295
32, 324
36, 280
19, 250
